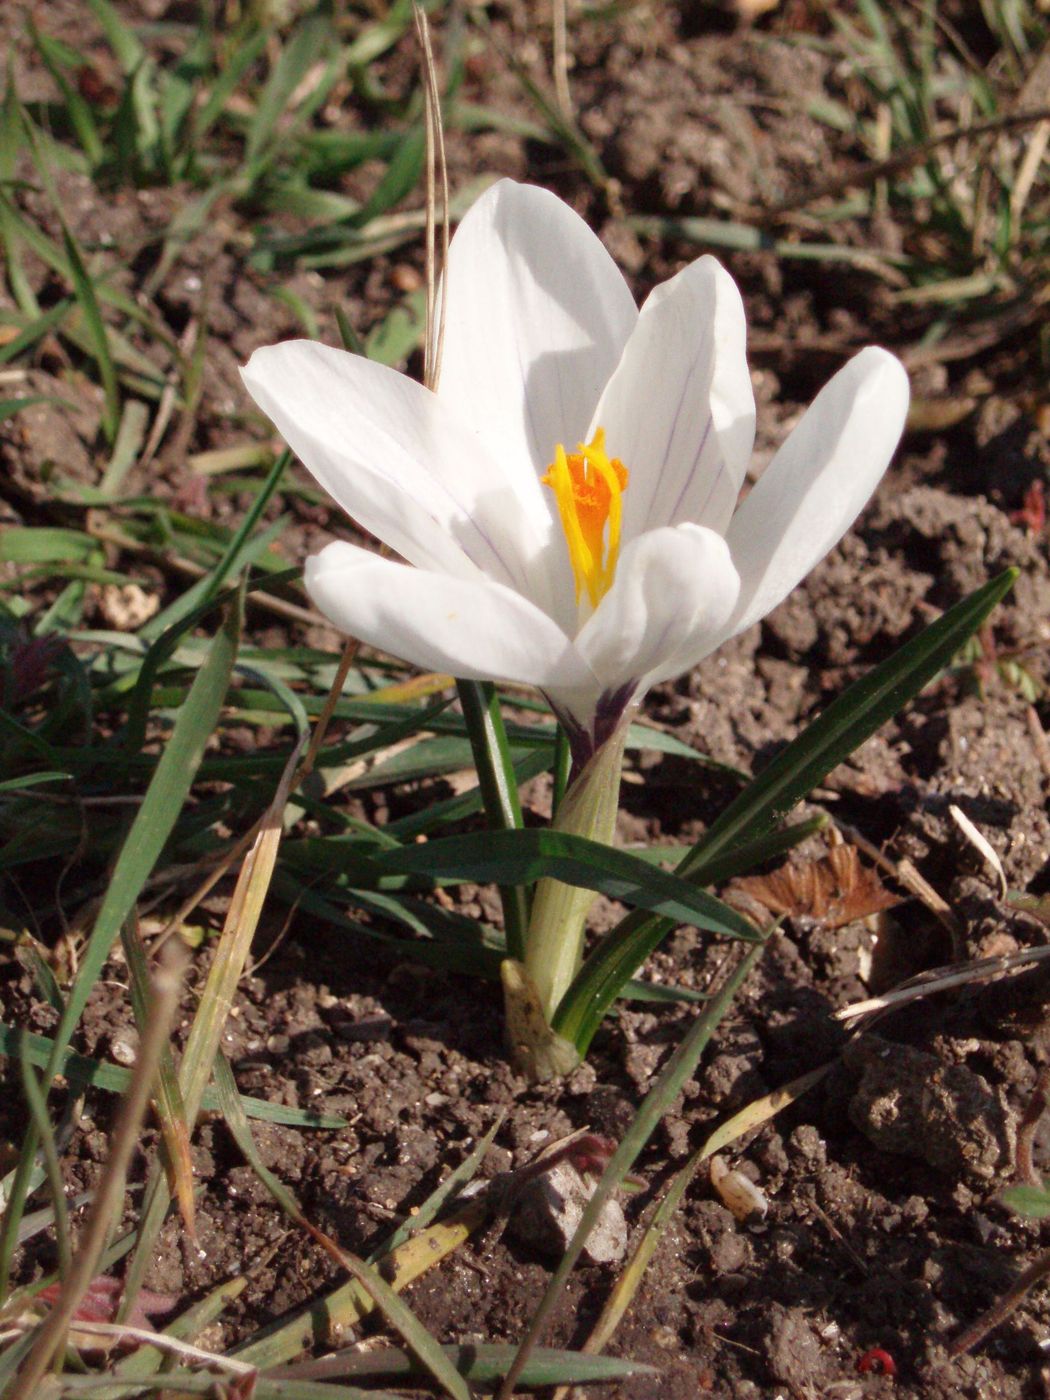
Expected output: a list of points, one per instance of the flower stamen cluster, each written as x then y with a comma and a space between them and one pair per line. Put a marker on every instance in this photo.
588, 486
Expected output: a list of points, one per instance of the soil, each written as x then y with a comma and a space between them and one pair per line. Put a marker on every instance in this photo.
885, 1227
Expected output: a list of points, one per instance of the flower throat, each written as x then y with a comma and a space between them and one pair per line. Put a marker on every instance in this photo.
588, 486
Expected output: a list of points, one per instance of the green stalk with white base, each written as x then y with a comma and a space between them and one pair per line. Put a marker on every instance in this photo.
557, 927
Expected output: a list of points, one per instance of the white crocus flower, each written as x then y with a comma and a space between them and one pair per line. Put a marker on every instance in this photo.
566, 503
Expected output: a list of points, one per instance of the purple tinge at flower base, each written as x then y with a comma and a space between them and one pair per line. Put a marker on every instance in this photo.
566, 503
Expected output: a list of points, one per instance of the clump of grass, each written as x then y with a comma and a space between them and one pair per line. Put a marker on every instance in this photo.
958, 146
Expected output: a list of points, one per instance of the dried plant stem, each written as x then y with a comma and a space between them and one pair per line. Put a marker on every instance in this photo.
437, 172
324, 718
869, 173
166, 982
1002, 1308
560, 64
942, 979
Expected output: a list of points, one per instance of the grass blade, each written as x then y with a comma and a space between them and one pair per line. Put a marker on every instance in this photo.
38, 1116
753, 1116
169, 1106
481, 1363
499, 791
202, 1044
84, 289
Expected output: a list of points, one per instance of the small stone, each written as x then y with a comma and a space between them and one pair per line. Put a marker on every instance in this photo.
791, 1347
124, 1047
551, 1207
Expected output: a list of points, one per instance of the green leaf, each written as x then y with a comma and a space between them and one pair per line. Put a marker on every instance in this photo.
84, 288
304, 49
32, 780
522, 857
121, 38
1033, 1201
400, 332
499, 790
81, 118
486, 1362
9, 407
401, 178
45, 544
843, 727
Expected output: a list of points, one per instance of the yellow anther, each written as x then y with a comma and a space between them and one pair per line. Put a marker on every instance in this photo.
588, 486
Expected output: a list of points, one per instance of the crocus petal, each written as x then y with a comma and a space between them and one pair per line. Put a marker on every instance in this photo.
398, 461
674, 587
538, 314
818, 483
471, 628
679, 411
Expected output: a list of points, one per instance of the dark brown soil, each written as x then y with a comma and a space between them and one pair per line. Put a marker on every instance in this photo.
884, 1228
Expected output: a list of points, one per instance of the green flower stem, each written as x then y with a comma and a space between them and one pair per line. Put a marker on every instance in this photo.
499, 791
554, 945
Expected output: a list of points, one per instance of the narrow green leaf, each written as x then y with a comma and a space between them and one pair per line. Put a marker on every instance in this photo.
9, 407
499, 790
1032, 1201
44, 544
120, 37
445, 1191
522, 857
35, 327
45, 1133
186, 1382
32, 780
401, 178
482, 1363
81, 117
84, 288
306, 47
238, 63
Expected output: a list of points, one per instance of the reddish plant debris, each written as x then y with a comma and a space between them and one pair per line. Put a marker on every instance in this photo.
102, 1300
28, 663
877, 1360
591, 1153
835, 890
1032, 514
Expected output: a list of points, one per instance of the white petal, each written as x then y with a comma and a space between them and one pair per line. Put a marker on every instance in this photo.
679, 411
471, 628
819, 481
674, 591
538, 314
399, 461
